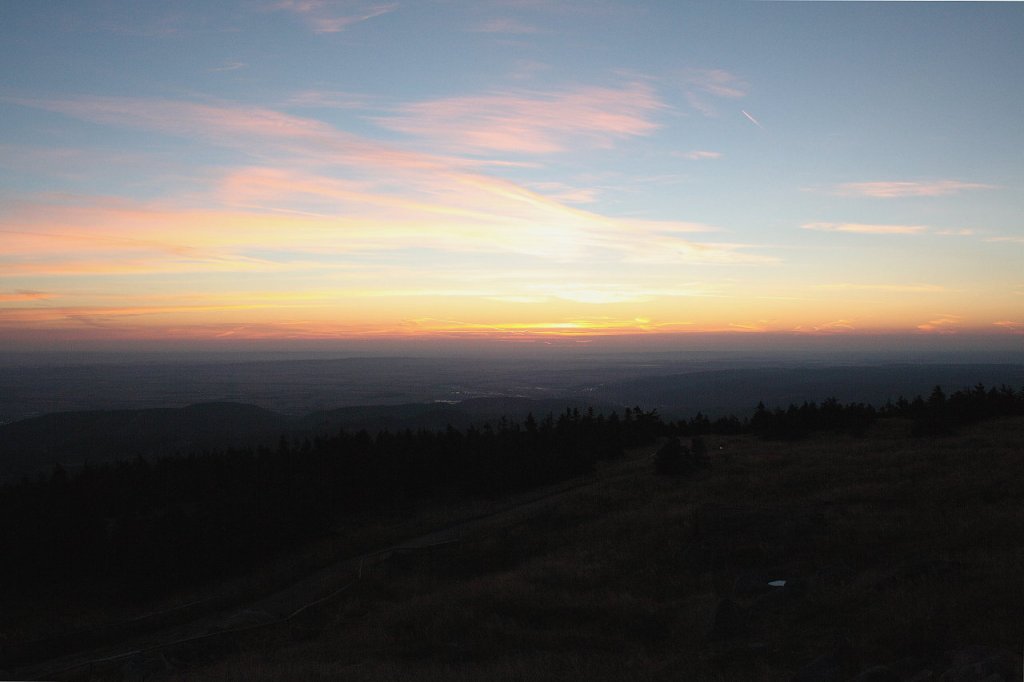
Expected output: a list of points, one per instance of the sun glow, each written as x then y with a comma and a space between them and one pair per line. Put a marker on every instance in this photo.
366, 185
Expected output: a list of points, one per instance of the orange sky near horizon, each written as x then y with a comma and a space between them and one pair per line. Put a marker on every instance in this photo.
509, 171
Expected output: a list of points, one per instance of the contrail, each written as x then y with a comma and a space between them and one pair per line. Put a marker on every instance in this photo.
752, 119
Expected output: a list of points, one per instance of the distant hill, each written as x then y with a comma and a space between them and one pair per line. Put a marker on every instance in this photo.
73, 438
737, 391
438, 415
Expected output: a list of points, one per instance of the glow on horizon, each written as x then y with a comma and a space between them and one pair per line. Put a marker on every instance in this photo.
508, 171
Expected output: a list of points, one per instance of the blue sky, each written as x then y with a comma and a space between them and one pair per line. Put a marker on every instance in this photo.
295, 169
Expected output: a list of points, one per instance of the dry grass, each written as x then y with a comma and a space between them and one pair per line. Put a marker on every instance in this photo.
896, 550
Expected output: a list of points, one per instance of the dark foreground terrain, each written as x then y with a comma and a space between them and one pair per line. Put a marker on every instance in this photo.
901, 557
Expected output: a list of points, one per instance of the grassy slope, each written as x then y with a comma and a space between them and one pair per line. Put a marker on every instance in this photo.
897, 551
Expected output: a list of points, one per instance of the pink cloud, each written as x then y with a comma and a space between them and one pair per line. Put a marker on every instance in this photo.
184, 118
457, 213
529, 122
1009, 325
333, 16
245, 129
698, 154
840, 326
890, 190
351, 194
943, 324
862, 228
21, 295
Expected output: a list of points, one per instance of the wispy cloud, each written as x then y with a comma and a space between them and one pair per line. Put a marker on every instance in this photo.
670, 249
698, 155
864, 228
1009, 325
840, 326
187, 119
965, 232
505, 25
530, 122
886, 288
703, 86
897, 189
21, 295
333, 16
752, 327
717, 82
511, 122
245, 129
230, 65
355, 195
943, 324
1011, 240
560, 191
307, 204
460, 211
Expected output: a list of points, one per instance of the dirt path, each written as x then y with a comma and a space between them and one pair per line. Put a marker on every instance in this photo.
135, 653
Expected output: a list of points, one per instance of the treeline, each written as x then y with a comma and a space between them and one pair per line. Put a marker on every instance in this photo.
795, 421
935, 415
140, 527
939, 414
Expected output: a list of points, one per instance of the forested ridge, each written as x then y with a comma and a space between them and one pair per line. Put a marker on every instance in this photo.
140, 527
136, 528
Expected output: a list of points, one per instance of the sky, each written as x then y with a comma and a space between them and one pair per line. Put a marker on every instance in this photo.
508, 171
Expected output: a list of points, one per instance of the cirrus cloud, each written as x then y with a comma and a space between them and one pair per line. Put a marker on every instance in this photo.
332, 16
703, 86
1011, 326
889, 288
530, 122
943, 324
698, 155
21, 295
898, 189
865, 228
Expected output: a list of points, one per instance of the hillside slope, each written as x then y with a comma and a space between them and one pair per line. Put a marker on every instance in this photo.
901, 558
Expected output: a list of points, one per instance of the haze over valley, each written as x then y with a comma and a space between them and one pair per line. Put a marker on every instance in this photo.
85, 410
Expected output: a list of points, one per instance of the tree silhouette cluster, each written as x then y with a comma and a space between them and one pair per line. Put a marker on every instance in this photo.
797, 422
140, 527
939, 414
